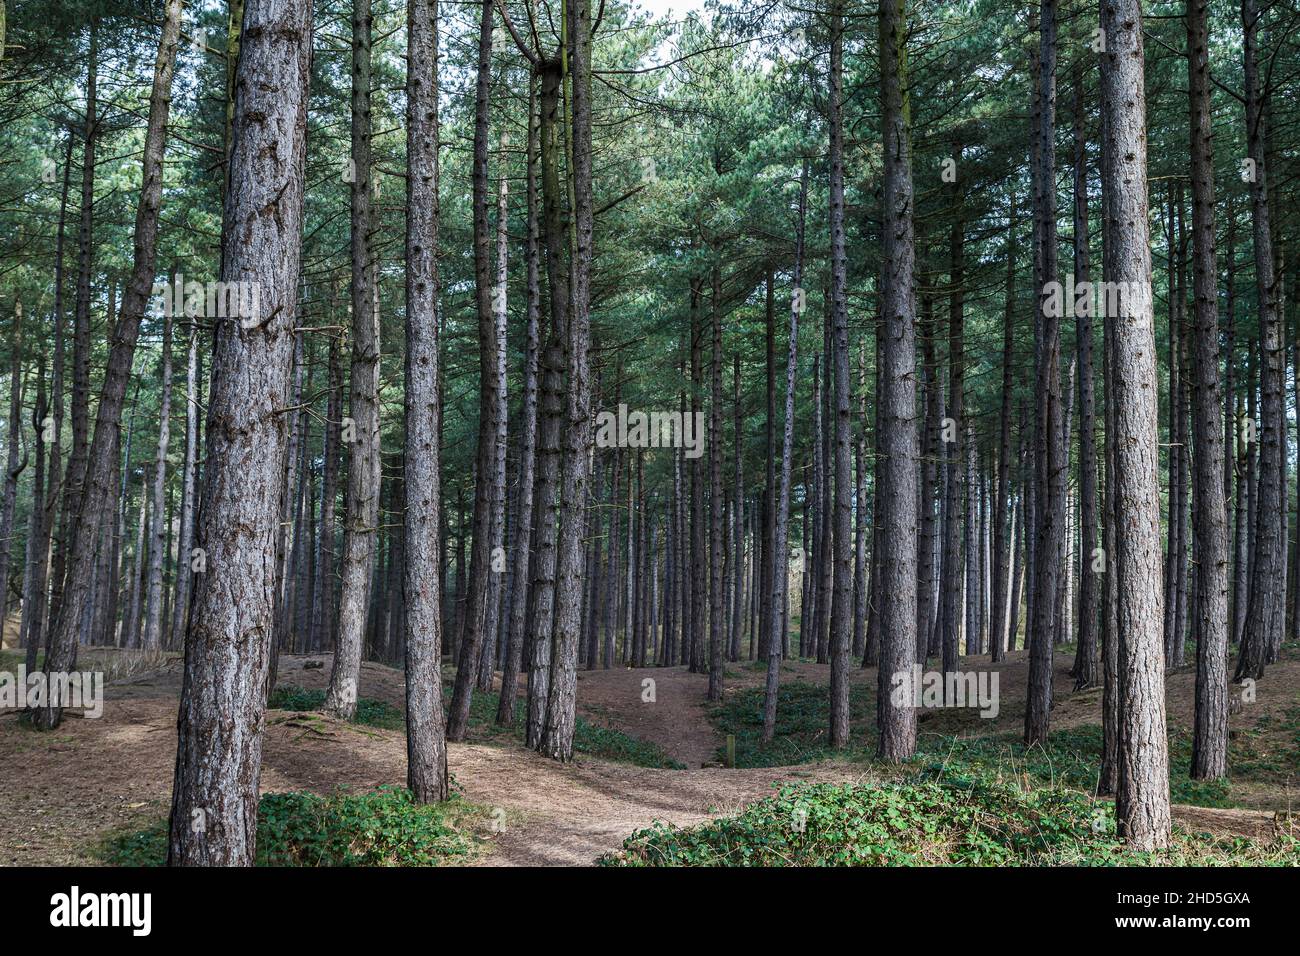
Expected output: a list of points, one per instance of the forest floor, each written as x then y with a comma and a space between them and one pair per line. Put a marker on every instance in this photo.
62, 794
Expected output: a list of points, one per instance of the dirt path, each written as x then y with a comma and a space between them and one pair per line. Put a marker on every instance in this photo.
61, 793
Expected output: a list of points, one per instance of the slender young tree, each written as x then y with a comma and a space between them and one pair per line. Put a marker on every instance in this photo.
781, 515
842, 601
362, 495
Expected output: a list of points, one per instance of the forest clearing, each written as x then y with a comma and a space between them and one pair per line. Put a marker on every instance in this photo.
632, 434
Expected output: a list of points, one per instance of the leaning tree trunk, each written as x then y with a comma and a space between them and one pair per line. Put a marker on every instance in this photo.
362, 495
426, 749
896, 716
215, 802
1142, 797
98, 485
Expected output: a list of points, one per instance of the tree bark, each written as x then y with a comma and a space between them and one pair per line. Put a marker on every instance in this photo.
215, 802
1142, 797
362, 494
426, 749
897, 391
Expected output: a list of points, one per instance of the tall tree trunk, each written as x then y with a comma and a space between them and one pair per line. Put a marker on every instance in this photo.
158, 523
842, 602
74, 479
557, 737
781, 499
896, 716
1003, 540
1264, 620
215, 802
72, 611
426, 750
1142, 797
717, 506
523, 518
1210, 736
953, 431
362, 495
496, 554
1085, 661
1049, 506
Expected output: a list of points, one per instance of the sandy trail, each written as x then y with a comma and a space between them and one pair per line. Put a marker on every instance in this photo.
60, 793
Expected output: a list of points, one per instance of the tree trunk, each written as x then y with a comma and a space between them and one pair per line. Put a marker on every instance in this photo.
781, 499
1049, 504
215, 802
1142, 797
426, 749
523, 518
1264, 620
1210, 737
158, 523
62, 651
362, 495
897, 717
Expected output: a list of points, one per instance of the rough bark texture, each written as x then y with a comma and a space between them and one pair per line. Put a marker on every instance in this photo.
897, 396
1210, 737
1142, 797
362, 495
557, 736
426, 749
842, 547
214, 802
1264, 619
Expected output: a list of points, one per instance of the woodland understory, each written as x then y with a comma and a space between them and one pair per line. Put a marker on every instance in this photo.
548, 417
